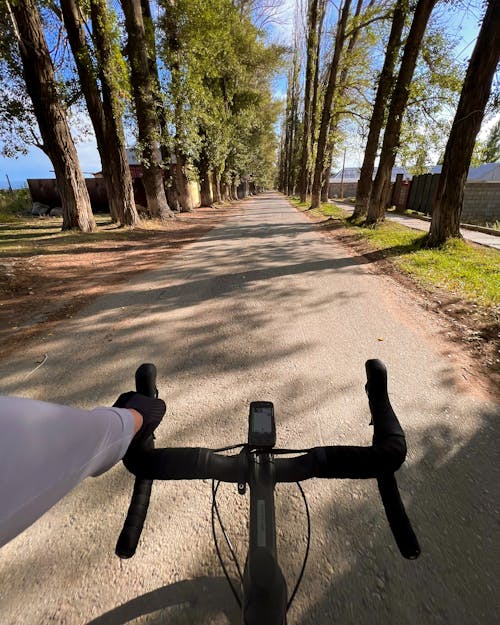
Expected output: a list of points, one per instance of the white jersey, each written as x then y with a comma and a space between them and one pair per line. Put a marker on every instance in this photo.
47, 449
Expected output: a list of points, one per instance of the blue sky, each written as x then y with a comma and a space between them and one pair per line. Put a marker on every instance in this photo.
36, 165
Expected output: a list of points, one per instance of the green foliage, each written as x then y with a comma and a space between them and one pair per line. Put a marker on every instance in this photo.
434, 94
111, 63
18, 125
219, 89
491, 149
12, 203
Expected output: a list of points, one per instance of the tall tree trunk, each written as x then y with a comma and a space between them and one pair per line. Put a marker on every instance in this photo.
182, 182
224, 189
216, 185
174, 45
169, 178
108, 128
291, 125
399, 100
206, 197
171, 188
315, 95
145, 107
341, 89
58, 144
467, 123
234, 188
326, 181
288, 130
377, 119
294, 121
327, 106
312, 36
113, 135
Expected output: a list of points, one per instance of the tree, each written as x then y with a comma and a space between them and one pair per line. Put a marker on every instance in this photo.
311, 68
58, 144
466, 124
143, 85
327, 105
434, 93
385, 84
352, 38
399, 99
219, 93
173, 50
103, 105
315, 94
491, 149
292, 123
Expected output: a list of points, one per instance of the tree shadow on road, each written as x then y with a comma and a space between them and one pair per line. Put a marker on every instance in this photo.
200, 600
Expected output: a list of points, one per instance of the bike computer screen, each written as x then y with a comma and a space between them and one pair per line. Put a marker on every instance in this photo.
261, 426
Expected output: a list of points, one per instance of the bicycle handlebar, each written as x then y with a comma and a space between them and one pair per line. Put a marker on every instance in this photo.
145, 383
385, 425
379, 461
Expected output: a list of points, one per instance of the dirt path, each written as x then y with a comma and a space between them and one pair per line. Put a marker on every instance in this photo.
264, 307
51, 282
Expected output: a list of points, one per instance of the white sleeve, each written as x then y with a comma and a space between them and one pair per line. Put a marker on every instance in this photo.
47, 449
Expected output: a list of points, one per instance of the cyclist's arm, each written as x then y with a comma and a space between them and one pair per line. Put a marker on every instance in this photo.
47, 449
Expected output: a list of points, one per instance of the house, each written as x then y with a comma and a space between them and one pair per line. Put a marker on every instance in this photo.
345, 182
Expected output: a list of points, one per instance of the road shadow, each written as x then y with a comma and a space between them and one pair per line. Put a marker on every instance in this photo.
200, 600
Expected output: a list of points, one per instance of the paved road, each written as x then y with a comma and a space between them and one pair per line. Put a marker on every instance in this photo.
483, 238
263, 307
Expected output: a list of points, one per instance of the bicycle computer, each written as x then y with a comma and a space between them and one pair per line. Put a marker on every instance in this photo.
261, 425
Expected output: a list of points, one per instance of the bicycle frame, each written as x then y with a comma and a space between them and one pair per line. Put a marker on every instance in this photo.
264, 586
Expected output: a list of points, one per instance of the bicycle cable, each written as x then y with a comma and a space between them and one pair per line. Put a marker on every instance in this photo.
308, 544
229, 447
215, 511
284, 452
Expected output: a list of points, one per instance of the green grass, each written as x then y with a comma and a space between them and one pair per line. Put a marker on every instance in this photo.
28, 236
466, 270
13, 203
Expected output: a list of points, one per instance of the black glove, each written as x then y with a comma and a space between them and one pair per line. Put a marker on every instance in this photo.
151, 409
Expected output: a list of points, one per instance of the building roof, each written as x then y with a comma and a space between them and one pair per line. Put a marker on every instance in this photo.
488, 172
132, 157
351, 174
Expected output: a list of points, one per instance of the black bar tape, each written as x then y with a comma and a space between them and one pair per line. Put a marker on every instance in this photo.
389, 436
145, 382
399, 522
185, 463
136, 515
385, 422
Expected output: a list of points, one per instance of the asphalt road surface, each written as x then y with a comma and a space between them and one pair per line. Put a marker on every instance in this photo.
264, 307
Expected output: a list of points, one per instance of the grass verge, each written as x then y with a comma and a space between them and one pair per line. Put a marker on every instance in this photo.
465, 270
12, 203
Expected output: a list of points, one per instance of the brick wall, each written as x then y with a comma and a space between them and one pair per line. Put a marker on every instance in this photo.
348, 189
481, 202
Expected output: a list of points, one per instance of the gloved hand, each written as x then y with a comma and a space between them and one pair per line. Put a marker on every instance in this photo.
151, 409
